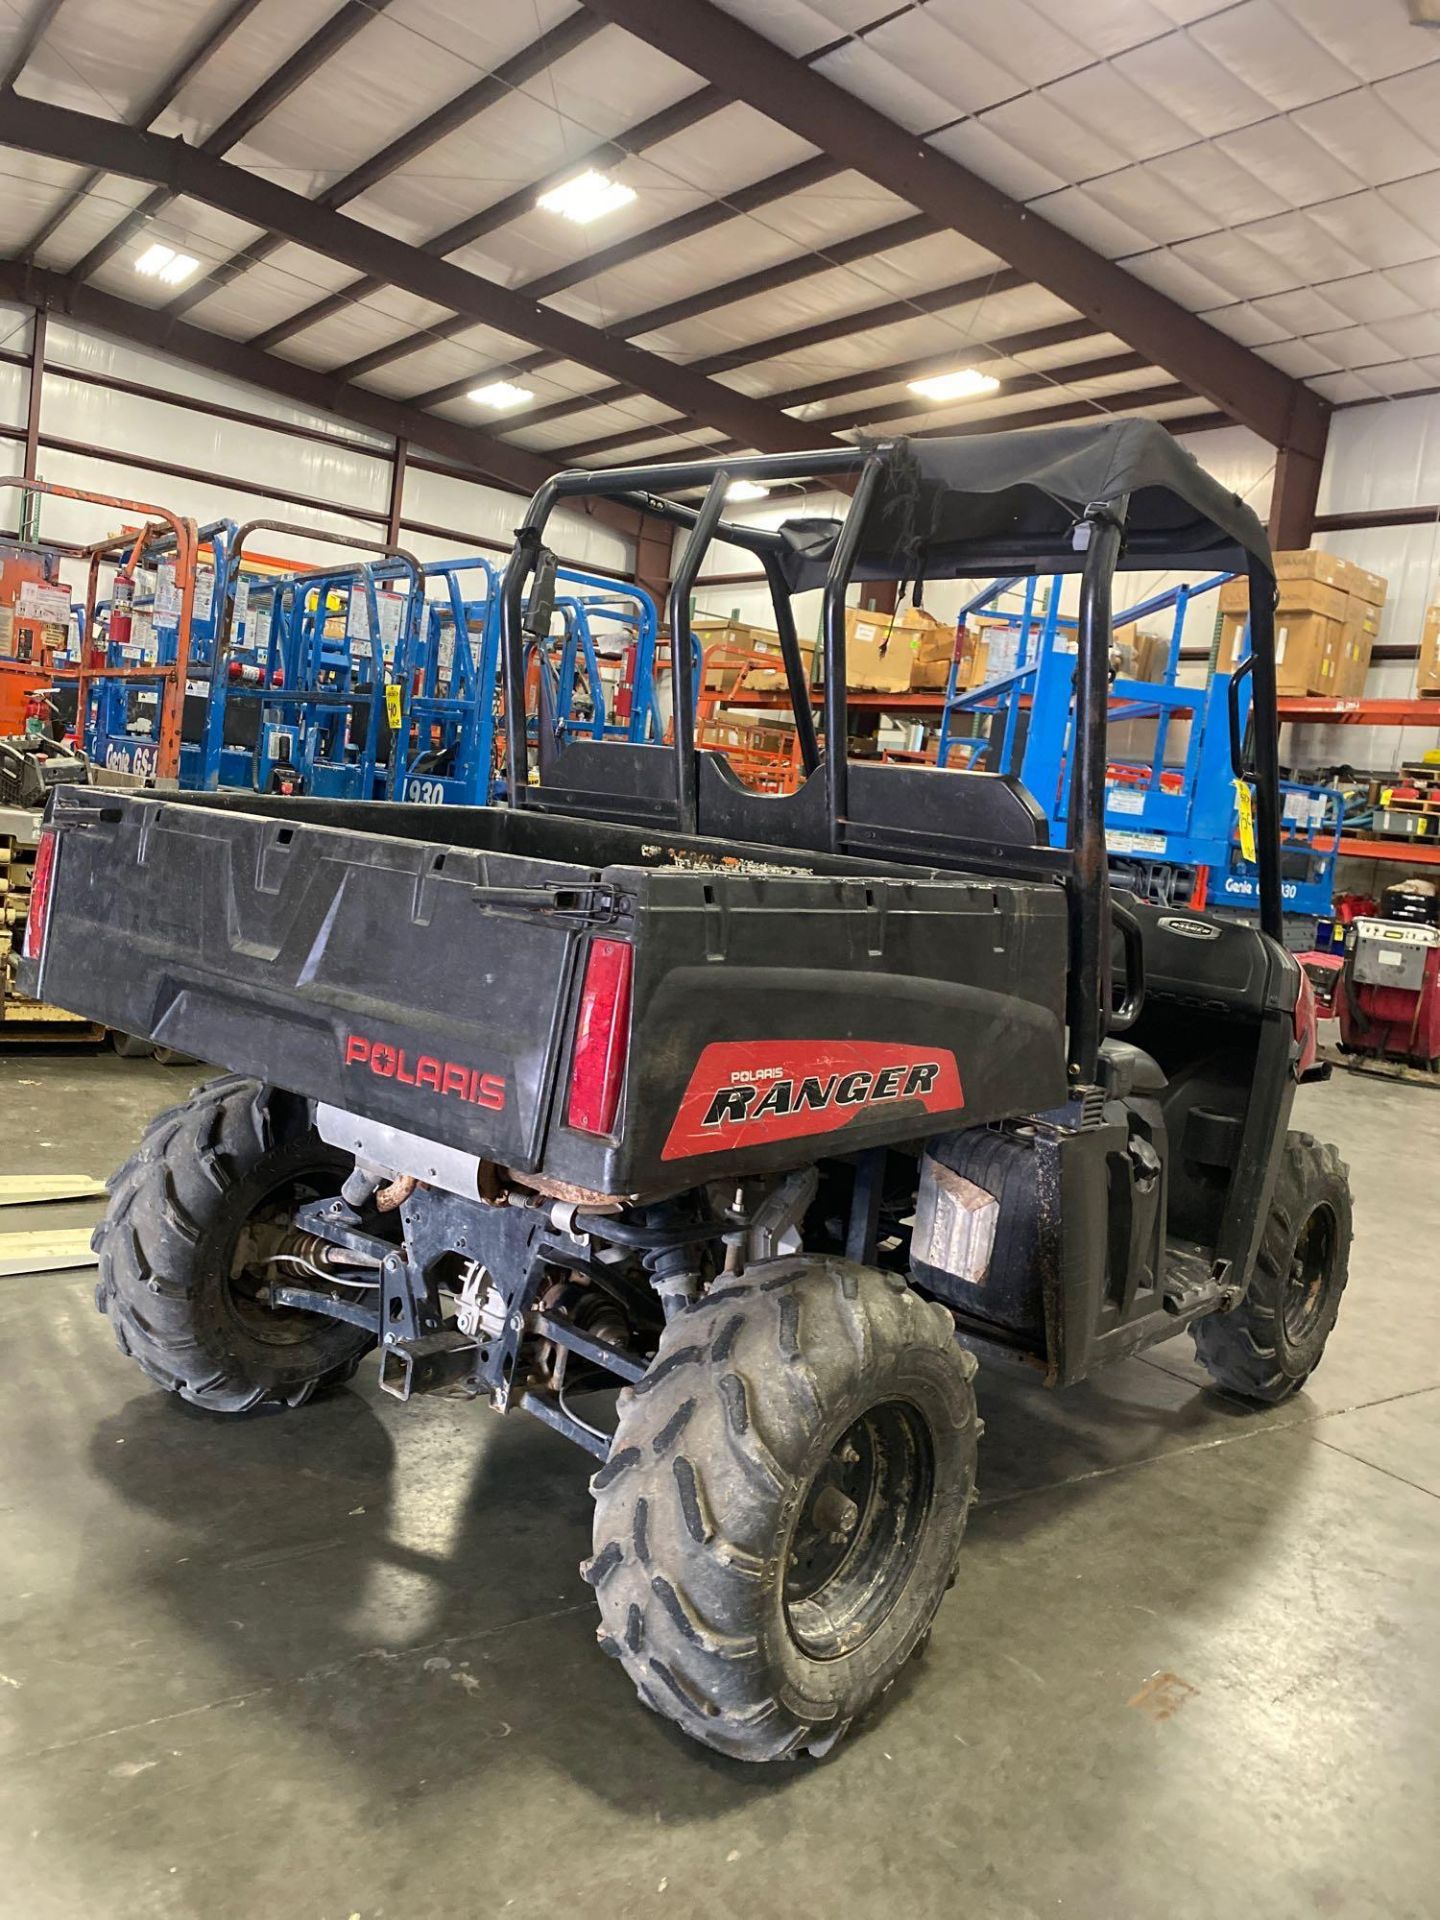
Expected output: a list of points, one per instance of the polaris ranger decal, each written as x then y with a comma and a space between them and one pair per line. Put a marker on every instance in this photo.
441, 1076
749, 1092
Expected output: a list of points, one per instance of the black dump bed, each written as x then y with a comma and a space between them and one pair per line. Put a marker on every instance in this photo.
423, 967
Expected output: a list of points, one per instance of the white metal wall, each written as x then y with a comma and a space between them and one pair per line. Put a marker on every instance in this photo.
339, 482
1385, 456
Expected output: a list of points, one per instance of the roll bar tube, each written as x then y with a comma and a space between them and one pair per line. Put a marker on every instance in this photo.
795, 677
682, 663
837, 761
1265, 716
1088, 885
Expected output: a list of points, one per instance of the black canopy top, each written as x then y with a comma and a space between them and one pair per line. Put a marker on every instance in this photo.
986, 504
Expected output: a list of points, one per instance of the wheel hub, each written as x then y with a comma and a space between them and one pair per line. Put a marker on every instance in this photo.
859, 1530
1308, 1281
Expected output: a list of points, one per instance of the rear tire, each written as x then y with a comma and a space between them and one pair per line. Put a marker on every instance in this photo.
168, 1247
1268, 1346
783, 1505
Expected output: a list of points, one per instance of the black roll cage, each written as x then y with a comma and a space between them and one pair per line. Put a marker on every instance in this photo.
1099, 533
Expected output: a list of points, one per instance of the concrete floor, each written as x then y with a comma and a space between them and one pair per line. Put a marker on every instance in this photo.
339, 1663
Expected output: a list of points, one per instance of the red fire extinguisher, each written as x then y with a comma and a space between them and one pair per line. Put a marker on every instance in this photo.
122, 600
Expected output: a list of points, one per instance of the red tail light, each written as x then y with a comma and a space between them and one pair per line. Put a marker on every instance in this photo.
602, 1034
39, 896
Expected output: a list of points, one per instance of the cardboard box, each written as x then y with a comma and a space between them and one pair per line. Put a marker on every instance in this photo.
1142, 656
1296, 596
1309, 563
1308, 650
1363, 585
1428, 678
1362, 629
1364, 614
883, 651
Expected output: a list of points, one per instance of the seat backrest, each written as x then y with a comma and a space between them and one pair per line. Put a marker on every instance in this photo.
622, 781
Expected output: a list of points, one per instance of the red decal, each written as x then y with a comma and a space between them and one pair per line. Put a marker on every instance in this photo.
440, 1076
491, 1091
750, 1092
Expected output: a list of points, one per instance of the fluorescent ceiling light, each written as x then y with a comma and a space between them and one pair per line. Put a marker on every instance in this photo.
164, 263
965, 384
501, 396
586, 197
746, 490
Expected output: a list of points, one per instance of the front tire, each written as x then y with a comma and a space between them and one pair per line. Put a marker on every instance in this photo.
783, 1505
173, 1282
1266, 1348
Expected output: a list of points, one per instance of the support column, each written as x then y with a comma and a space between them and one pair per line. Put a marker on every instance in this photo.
30, 502
1296, 490
654, 565
394, 511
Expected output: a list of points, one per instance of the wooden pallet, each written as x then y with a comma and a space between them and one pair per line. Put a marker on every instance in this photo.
1392, 1070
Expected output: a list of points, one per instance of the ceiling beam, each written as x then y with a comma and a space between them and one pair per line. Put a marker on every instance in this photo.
1138, 399
906, 409
37, 127
36, 26
1101, 368
1062, 334
972, 353
306, 60
784, 273
153, 106
571, 34
1164, 395
588, 266
887, 313
721, 49
664, 125
486, 458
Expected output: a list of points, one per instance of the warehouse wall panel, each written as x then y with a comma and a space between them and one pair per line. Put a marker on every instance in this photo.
1386, 455
450, 500
77, 521
14, 394
127, 423
71, 346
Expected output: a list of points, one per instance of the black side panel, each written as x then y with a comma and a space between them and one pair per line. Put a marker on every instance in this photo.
356, 970
436, 987
756, 983
987, 807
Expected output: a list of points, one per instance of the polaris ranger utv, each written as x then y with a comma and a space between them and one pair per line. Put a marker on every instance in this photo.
775, 1110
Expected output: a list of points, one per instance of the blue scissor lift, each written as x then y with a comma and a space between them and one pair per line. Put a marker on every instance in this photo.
450, 678
1172, 829
321, 675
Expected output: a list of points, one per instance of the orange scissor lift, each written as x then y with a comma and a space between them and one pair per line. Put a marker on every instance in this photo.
763, 748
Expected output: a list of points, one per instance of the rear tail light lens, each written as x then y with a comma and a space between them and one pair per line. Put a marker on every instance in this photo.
602, 1038
39, 896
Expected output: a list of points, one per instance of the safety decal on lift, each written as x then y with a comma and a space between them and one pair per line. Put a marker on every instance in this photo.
745, 1093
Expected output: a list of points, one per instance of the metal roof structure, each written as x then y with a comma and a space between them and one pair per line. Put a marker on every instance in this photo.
1198, 211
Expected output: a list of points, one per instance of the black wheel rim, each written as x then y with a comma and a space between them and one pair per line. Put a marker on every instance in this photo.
859, 1530
1307, 1285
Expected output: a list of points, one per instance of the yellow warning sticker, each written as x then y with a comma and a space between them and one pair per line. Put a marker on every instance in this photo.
392, 706
1245, 810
